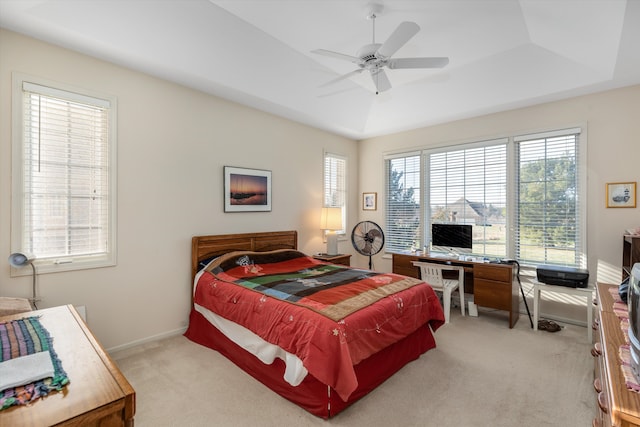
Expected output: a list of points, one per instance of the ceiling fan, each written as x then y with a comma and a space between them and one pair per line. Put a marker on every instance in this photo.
375, 57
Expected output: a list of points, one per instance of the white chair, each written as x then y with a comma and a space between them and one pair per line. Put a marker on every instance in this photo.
431, 273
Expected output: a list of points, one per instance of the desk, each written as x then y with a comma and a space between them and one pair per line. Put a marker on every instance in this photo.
492, 285
97, 394
581, 292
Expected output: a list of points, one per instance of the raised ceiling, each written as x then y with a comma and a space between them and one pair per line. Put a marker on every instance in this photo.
503, 54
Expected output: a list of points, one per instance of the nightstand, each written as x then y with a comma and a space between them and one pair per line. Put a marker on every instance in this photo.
343, 259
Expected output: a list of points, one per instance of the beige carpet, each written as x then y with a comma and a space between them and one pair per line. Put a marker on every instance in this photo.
481, 374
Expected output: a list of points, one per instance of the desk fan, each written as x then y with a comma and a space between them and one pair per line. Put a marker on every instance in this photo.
367, 239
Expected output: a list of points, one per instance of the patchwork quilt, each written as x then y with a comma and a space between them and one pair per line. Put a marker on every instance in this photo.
330, 316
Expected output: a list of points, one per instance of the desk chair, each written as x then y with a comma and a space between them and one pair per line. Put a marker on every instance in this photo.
432, 274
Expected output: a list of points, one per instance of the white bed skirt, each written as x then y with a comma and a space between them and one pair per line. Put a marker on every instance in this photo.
294, 372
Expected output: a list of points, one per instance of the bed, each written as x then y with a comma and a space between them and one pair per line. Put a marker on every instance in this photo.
318, 334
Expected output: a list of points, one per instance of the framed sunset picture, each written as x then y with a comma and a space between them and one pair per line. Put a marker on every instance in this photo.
247, 190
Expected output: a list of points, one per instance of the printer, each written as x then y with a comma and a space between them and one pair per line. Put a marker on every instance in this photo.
563, 276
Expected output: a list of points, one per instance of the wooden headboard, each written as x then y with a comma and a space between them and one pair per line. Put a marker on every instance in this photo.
203, 247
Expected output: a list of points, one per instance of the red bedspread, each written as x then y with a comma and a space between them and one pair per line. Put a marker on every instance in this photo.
281, 296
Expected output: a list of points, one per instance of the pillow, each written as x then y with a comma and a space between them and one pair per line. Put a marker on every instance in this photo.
204, 262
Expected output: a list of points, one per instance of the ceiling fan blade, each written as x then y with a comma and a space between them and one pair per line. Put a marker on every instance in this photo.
342, 77
397, 39
337, 55
432, 62
380, 80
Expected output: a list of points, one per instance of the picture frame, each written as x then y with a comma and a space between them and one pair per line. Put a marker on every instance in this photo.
247, 190
621, 194
369, 201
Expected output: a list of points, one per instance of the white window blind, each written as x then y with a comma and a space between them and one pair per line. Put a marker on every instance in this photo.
549, 215
468, 185
403, 228
335, 183
66, 195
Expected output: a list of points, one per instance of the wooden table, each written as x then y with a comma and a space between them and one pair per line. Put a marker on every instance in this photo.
344, 259
97, 394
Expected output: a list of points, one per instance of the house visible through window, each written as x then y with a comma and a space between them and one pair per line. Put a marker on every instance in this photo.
64, 197
469, 186
537, 219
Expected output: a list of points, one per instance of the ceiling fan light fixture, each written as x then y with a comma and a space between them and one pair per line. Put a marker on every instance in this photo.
367, 53
375, 56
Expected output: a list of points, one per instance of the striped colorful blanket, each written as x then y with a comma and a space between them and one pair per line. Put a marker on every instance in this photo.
23, 337
334, 291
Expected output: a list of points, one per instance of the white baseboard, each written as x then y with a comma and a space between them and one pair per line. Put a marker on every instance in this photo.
152, 338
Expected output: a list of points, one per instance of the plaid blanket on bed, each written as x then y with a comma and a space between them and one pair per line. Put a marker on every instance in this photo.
334, 291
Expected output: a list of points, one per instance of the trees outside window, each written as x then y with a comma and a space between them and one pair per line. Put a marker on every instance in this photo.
523, 195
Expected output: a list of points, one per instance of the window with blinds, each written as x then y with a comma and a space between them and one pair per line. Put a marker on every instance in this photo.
335, 183
523, 196
548, 211
64, 166
403, 225
468, 185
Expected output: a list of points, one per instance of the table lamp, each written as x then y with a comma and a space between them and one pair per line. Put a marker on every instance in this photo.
19, 260
331, 220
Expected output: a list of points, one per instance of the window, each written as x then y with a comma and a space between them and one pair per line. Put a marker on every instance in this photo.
523, 195
403, 202
549, 217
63, 171
335, 187
469, 186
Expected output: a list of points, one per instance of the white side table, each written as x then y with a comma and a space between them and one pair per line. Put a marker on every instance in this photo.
581, 292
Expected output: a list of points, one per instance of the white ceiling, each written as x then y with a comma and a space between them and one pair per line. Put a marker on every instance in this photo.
503, 54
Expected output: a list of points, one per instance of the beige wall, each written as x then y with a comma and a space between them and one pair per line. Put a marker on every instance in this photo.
612, 122
172, 145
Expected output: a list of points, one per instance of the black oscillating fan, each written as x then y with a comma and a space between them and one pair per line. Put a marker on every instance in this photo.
368, 239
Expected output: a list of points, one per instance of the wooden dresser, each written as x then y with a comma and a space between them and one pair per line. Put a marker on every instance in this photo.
617, 406
97, 394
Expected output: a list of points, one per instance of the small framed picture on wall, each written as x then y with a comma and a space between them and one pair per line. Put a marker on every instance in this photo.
247, 190
621, 195
369, 201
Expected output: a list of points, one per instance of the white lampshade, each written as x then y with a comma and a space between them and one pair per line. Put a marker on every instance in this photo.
331, 219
